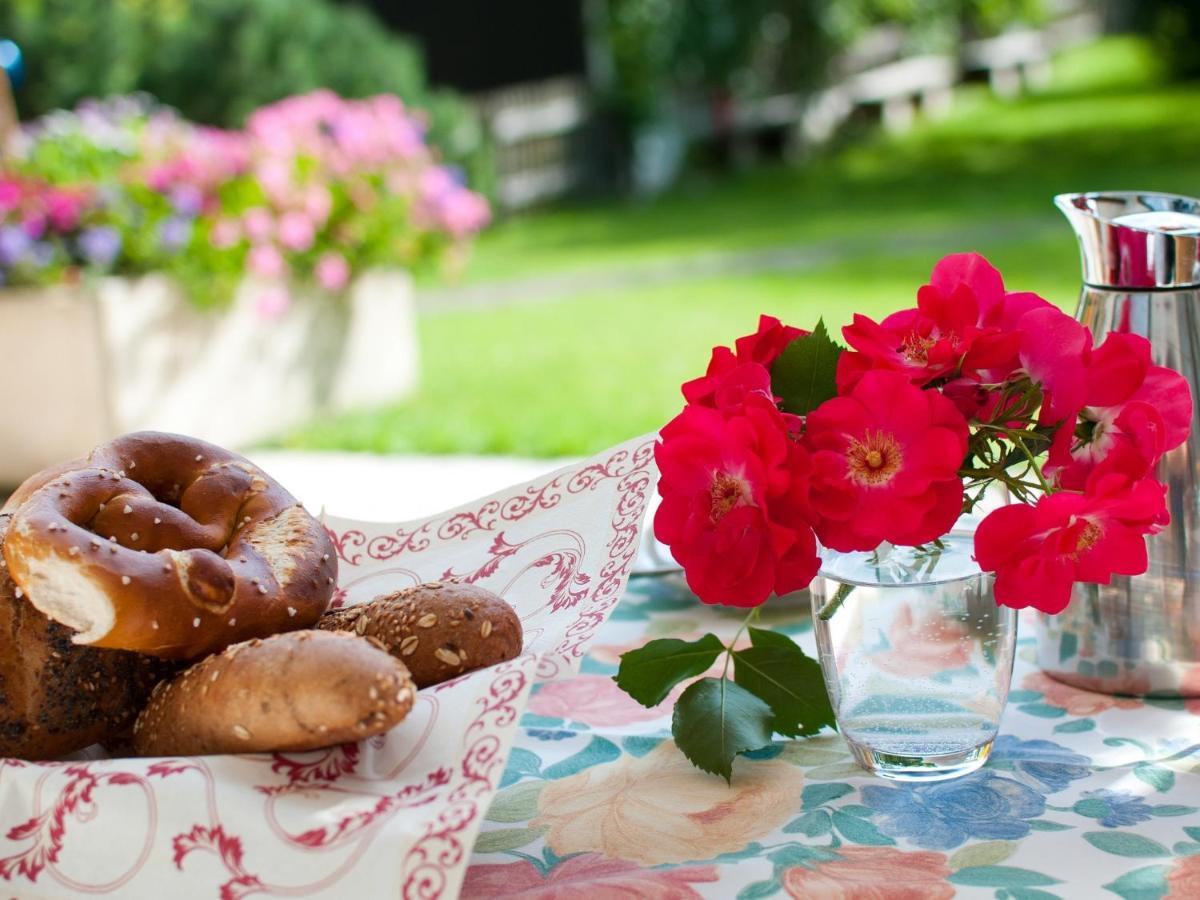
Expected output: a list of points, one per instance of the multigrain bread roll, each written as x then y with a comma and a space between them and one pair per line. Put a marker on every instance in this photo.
55, 696
296, 691
439, 630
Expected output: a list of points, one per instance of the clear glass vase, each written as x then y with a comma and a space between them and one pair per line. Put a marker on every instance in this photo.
916, 655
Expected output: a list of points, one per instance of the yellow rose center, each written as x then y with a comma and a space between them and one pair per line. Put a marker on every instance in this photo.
874, 459
1087, 538
727, 491
915, 347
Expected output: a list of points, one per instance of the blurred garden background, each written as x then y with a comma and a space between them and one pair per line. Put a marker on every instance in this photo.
656, 173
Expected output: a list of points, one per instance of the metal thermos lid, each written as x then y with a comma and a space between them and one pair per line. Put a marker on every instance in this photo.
1136, 240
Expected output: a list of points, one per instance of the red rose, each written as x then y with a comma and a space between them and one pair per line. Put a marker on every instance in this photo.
885, 464
1134, 413
733, 490
954, 331
733, 373
1039, 552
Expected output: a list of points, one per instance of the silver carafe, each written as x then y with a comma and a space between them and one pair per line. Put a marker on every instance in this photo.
1141, 274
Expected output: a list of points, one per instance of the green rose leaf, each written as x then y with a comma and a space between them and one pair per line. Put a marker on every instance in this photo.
1148, 883
648, 673
1172, 810
805, 374
1125, 843
859, 831
815, 795
516, 804
986, 853
506, 839
1000, 877
776, 670
812, 824
1162, 780
715, 720
1047, 825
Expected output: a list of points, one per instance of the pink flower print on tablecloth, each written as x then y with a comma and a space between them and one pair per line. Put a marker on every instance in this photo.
588, 875
595, 700
1076, 701
1184, 880
659, 809
873, 873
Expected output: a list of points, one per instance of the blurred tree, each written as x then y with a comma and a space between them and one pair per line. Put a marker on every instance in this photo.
1174, 27
746, 48
216, 60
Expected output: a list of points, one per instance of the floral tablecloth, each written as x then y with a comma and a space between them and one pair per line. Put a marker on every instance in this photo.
1085, 795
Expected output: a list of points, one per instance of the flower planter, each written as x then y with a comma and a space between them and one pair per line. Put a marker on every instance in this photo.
84, 363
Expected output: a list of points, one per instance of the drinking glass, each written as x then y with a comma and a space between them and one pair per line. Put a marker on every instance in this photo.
917, 656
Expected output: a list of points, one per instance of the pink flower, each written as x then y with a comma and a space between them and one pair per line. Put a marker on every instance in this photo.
273, 301
742, 369
225, 233
733, 502
585, 875
332, 271
595, 700
266, 261
259, 224
317, 203
885, 463
10, 194
1134, 413
873, 873
275, 175
63, 208
296, 231
1039, 552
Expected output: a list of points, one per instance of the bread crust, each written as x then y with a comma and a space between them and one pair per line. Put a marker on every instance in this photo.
55, 696
297, 691
439, 630
168, 546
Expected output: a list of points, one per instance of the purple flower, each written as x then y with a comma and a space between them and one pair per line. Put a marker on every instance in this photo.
100, 245
175, 232
187, 200
14, 244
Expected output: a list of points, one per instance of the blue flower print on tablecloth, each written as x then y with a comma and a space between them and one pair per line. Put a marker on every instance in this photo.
1045, 765
944, 815
1113, 809
549, 734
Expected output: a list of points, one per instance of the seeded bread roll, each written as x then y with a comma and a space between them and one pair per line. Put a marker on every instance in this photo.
55, 696
296, 691
439, 630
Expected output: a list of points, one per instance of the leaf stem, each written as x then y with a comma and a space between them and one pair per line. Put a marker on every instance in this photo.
835, 604
751, 616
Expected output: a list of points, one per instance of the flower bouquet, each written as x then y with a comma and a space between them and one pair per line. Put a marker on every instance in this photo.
791, 445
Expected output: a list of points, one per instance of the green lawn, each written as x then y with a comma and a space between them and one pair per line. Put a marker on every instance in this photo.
575, 373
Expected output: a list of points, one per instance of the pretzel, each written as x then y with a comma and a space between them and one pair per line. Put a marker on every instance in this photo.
168, 546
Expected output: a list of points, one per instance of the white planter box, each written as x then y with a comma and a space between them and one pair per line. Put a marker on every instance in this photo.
85, 363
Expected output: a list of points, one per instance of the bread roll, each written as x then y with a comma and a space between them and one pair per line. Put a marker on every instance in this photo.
438, 630
296, 691
55, 696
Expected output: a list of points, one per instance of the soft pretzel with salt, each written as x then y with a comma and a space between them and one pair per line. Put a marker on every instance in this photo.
169, 546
